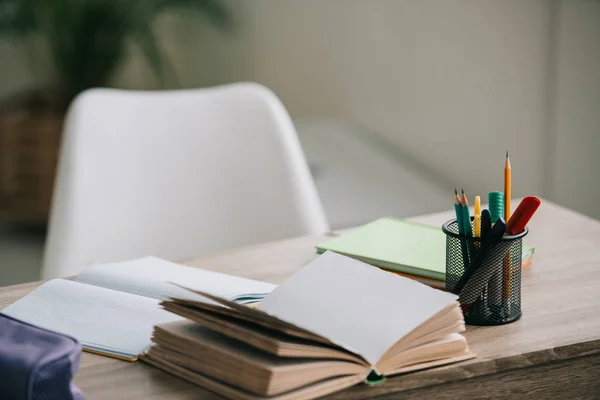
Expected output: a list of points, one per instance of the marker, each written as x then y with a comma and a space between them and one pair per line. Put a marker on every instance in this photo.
518, 221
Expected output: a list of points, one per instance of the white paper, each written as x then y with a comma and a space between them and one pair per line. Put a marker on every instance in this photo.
101, 319
355, 305
152, 277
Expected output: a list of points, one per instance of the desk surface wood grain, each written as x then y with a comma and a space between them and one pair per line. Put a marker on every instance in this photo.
561, 314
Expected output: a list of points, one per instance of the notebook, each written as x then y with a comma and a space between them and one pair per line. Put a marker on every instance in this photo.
358, 324
400, 245
111, 308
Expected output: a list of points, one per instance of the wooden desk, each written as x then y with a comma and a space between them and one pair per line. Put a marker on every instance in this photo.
552, 352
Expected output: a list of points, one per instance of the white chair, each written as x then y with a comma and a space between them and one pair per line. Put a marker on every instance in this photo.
176, 174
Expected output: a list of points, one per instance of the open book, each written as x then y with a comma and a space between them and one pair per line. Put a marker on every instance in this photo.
111, 308
359, 322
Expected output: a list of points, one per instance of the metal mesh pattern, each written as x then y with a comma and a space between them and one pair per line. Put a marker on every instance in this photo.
490, 290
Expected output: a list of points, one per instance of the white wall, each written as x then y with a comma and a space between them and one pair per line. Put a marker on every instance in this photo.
453, 83
576, 160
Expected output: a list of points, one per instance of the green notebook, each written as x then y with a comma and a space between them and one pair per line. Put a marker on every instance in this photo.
399, 245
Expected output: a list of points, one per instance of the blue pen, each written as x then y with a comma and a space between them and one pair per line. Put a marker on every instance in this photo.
486, 222
482, 269
495, 283
494, 237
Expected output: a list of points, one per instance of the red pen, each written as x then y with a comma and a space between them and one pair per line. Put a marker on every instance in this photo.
518, 221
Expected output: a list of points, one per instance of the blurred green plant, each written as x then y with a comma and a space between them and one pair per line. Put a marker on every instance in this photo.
87, 39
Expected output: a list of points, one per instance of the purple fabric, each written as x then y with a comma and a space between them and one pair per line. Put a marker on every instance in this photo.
35, 363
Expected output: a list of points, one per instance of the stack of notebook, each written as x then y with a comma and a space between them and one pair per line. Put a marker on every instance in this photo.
335, 323
407, 248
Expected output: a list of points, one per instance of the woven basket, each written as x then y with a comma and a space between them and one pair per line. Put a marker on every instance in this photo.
29, 140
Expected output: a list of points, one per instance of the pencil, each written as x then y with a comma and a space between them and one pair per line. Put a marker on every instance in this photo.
506, 267
466, 215
461, 229
507, 184
458, 210
477, 217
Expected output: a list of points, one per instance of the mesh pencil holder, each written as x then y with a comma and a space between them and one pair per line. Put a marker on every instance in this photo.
485, 274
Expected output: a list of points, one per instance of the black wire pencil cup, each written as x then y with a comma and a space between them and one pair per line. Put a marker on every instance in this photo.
485, 272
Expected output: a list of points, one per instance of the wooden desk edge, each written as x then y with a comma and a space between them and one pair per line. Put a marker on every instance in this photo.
478, 367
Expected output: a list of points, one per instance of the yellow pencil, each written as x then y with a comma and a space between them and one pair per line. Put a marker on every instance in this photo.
507, 179
477, 217
506, 267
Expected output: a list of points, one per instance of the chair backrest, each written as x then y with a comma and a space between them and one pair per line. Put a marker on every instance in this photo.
176, 174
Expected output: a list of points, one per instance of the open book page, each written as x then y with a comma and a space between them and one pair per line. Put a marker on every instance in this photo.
359, 307
103, 320
308, 392
234, 362
242, 312
441, 349
268, 340
152, 277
